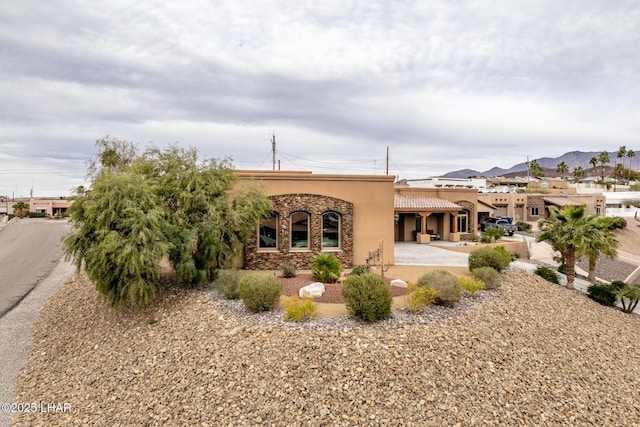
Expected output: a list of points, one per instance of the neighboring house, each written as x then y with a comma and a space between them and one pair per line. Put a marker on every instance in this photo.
618, 203
51, 207
534, 206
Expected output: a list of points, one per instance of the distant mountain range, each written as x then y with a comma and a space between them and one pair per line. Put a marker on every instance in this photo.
573, 159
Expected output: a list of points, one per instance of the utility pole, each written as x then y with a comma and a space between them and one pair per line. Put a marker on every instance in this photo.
387, 160
273, 150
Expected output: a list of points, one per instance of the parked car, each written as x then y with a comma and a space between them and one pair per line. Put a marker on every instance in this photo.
508, 228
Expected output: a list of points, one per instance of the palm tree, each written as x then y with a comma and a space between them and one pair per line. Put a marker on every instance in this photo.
562, 168
599, 240
594, 162
630, 154
565, 230
604, 159
578, 174
622, 151
536, 169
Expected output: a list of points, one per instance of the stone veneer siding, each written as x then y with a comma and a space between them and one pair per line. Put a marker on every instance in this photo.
472, 219
314, 205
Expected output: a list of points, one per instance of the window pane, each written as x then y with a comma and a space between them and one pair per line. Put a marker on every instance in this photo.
268, 235
331, 230
299, 230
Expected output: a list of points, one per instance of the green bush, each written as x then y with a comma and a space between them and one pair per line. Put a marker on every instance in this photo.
367, 297
603, 294
618, 223
507, 253
547, 274
524, 226
446, 285
289, 271
471, 284
488, 275
419, 297
297, 309
227, 283
360, 270
498, 259
326, 268
493, 233
259, 292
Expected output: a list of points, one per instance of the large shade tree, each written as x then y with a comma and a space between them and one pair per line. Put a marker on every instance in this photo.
140, 209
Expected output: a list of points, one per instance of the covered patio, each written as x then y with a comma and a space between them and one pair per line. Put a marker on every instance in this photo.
423, 219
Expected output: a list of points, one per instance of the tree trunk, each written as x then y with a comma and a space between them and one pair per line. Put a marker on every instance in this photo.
592, 270
571, 267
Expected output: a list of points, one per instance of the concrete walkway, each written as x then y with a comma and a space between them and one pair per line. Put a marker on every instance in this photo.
412, 253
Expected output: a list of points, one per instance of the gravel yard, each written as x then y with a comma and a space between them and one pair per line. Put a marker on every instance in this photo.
532, 353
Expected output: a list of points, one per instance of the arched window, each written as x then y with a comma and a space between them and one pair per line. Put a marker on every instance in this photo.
463, 222
331, 230
268, 233
300, 230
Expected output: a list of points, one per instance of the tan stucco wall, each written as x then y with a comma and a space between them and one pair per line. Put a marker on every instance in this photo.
372, 197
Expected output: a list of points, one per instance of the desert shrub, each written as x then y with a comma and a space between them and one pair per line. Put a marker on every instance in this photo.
474, 238
507, 253
524, 226
603, 294
471, 284
360, 270
446, 285
547, 274
489, 257
367, 297
259, 292
418, 297
326, 268
488, 275
562, 268
298, 309
618, 223
227, 283
492, 233
289, 271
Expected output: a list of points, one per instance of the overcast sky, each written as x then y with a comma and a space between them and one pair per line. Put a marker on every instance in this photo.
446, 85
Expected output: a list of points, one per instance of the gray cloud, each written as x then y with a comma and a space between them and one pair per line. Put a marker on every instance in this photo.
336, 81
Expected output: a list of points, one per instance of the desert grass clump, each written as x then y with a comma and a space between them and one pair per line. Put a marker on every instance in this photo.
289, 271
488, 275
367, 297
419, 297
446, 285
471, 284
259, 292
226, 283
298, 309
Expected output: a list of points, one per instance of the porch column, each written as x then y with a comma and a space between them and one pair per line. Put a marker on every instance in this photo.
423, 223
455, 222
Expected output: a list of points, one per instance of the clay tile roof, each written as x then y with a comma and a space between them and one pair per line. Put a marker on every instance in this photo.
414, 202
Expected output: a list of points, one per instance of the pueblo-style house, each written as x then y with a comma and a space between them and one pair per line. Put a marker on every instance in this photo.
355, 217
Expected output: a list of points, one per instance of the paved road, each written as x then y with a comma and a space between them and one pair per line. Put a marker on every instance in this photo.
29, 251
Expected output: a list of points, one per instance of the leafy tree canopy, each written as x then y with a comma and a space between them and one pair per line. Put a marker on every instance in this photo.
141, 208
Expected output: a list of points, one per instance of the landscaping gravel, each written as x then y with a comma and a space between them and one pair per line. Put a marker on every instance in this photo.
531, 353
